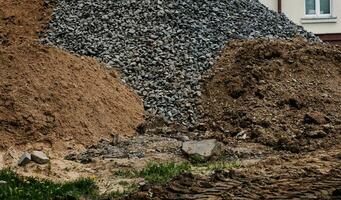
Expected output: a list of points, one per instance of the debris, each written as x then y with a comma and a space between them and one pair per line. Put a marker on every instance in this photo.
242, 135
39, 157
24, 159
183, 138
205, 148
316, 134
314, 118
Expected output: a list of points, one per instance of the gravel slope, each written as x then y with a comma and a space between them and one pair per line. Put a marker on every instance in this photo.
163, 46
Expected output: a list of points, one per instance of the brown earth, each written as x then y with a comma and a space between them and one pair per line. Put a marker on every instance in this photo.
49, 96
285, 94
312, 176
282, 94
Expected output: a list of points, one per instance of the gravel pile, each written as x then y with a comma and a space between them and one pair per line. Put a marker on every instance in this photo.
163, 46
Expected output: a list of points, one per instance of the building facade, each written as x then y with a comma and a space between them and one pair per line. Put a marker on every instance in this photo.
322, 17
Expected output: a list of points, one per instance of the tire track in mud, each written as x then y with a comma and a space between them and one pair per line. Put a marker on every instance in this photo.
267, 180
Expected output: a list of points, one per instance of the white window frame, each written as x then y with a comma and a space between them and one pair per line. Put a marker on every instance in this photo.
318, 10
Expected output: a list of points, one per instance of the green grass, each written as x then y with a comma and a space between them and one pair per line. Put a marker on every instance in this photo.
128, 190
126, 173
159, 173
196, 159
163, 172
19, 188
221, 165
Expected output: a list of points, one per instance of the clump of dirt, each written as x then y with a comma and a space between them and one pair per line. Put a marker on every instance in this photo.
285, 94
50, 96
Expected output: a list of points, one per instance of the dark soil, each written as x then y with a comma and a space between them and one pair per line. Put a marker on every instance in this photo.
50, 96
285, 94
312, 176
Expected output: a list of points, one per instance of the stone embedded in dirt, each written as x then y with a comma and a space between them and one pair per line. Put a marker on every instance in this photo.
242, 135
314, 118
24, 159
39, 157
204, 148
316, 134
183, 138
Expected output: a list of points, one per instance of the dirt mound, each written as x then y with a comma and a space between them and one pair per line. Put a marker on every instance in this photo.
50, 96
284, 94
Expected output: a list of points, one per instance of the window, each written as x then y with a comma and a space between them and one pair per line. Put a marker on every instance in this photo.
318, 8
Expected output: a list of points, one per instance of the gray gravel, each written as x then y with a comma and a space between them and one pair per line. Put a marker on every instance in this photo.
163, 46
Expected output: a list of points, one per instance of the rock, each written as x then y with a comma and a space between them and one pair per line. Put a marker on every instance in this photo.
183, 138
316, 134
205, 148
242, 135
314, 118
39, 157
24, 159
144, 186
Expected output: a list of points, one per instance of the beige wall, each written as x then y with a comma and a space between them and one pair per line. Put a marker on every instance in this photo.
272, 4
295, 11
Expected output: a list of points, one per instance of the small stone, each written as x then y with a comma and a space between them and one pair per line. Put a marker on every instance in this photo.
205, 148
242, 135
24, 159
314, 118
316, 134
39, 157
144, 186
183, 138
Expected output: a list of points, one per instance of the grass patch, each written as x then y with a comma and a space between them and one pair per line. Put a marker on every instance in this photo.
127, 173
163, 172
156, 172
196, 159
221, 165
213, 166
18, 188
128, 190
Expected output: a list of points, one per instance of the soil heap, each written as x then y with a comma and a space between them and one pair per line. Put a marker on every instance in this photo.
285, 94
163, 46
50, 96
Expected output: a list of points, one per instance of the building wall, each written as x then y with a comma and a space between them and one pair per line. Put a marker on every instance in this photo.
272, 4
295, 10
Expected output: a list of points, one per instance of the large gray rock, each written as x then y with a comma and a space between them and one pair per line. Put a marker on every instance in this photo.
39, 157
205, 148
24, 159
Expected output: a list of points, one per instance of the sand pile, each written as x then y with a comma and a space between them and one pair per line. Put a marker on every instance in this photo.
50, 96
285, 94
